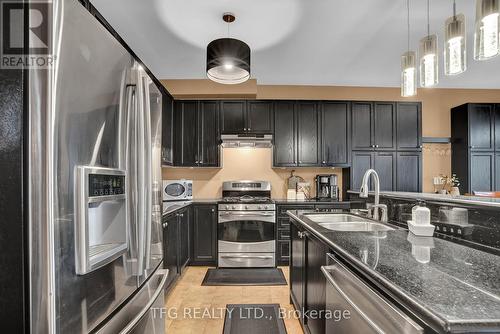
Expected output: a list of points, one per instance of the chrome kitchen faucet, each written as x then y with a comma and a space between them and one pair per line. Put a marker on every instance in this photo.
374, 209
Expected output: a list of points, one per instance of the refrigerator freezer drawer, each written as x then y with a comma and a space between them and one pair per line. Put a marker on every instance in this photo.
143, 314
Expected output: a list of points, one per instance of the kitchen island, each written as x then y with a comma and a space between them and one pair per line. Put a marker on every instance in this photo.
442, 286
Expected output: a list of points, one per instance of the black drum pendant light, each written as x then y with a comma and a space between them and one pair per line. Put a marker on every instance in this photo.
228, 59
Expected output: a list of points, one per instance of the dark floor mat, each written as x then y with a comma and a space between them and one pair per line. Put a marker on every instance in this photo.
244, 276
253, 318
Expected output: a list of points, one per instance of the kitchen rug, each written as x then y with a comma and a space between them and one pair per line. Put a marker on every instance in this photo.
244, 276
253, 318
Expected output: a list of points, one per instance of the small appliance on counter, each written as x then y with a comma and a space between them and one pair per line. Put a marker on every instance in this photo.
177, 190
292, 185
326, 187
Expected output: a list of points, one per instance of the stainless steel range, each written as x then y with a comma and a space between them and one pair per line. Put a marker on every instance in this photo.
246, 226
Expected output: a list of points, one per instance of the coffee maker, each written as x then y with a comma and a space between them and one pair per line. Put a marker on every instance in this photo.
326, 187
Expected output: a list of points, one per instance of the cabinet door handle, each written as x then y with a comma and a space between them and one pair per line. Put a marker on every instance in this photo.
213, 210
249, 129
324, 162
300, 162
244, 129
376, 145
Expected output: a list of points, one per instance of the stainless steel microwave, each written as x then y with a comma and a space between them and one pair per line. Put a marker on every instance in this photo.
177, 190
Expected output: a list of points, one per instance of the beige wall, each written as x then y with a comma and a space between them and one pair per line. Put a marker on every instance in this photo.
436, 105
243, 164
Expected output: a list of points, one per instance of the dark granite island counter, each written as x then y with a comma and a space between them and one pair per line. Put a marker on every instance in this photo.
456, 289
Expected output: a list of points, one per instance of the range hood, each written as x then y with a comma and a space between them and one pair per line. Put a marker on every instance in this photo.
247, 140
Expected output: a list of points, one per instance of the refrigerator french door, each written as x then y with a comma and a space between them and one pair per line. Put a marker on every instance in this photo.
95, 242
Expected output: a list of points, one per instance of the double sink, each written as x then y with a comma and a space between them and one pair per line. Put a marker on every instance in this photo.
346, 222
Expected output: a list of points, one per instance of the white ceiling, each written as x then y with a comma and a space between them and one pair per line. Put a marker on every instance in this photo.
294, 42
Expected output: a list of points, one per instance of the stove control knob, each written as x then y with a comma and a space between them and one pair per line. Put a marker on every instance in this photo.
233, 207
246, 207
227, 207
265, 207
260, 207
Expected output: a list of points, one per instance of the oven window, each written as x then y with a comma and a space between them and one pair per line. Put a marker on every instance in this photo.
175, 189
246, 231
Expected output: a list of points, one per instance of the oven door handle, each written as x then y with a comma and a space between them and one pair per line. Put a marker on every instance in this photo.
225, 214
246, 256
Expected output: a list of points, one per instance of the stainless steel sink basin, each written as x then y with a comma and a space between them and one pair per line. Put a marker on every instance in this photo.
356, 227
335, 218
346, 222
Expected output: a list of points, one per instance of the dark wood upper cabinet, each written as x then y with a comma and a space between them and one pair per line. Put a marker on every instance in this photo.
481, 127
362, 126
209, 134
497, 126
335, 134
384, 126
233, 114
482, 172
167, 132
285, 138
361, 162
186, 130
409, 171
196, 142
409, 126
307, 129
259, 117
475, 142
204, 234
384, 164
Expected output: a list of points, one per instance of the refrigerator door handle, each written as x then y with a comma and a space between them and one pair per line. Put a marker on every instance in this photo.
148, 165
149, 304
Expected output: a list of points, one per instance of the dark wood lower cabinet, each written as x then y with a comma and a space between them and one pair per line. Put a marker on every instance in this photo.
307, 283
204, 235
184, 221
170, 247
315, 300
297, 269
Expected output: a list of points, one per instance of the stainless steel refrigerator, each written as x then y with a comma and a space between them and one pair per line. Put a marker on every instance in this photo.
94, 185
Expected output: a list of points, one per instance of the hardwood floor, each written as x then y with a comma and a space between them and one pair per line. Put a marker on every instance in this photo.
197, 309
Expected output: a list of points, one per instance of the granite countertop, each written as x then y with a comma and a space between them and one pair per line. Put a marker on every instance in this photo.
172, 206
307, 200
455, 289
471, 200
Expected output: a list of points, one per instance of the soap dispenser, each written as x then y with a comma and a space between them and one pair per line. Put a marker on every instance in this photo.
414, 209
422, 215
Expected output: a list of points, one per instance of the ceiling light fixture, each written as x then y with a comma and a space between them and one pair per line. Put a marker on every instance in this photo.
428, 53
486, 36
408, 65
455, 54
228, 59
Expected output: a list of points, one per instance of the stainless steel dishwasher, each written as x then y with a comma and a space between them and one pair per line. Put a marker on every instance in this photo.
354, 307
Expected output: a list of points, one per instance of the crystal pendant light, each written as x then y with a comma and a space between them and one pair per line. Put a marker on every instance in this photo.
408, 66
455, 56
428, 53
408, 74
486, 36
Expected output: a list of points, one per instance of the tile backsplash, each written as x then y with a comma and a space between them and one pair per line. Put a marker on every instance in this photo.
245, 164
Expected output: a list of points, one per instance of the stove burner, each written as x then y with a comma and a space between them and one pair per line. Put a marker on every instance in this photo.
246, 199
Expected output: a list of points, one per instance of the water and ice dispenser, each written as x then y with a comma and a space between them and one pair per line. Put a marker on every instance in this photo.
100, 217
